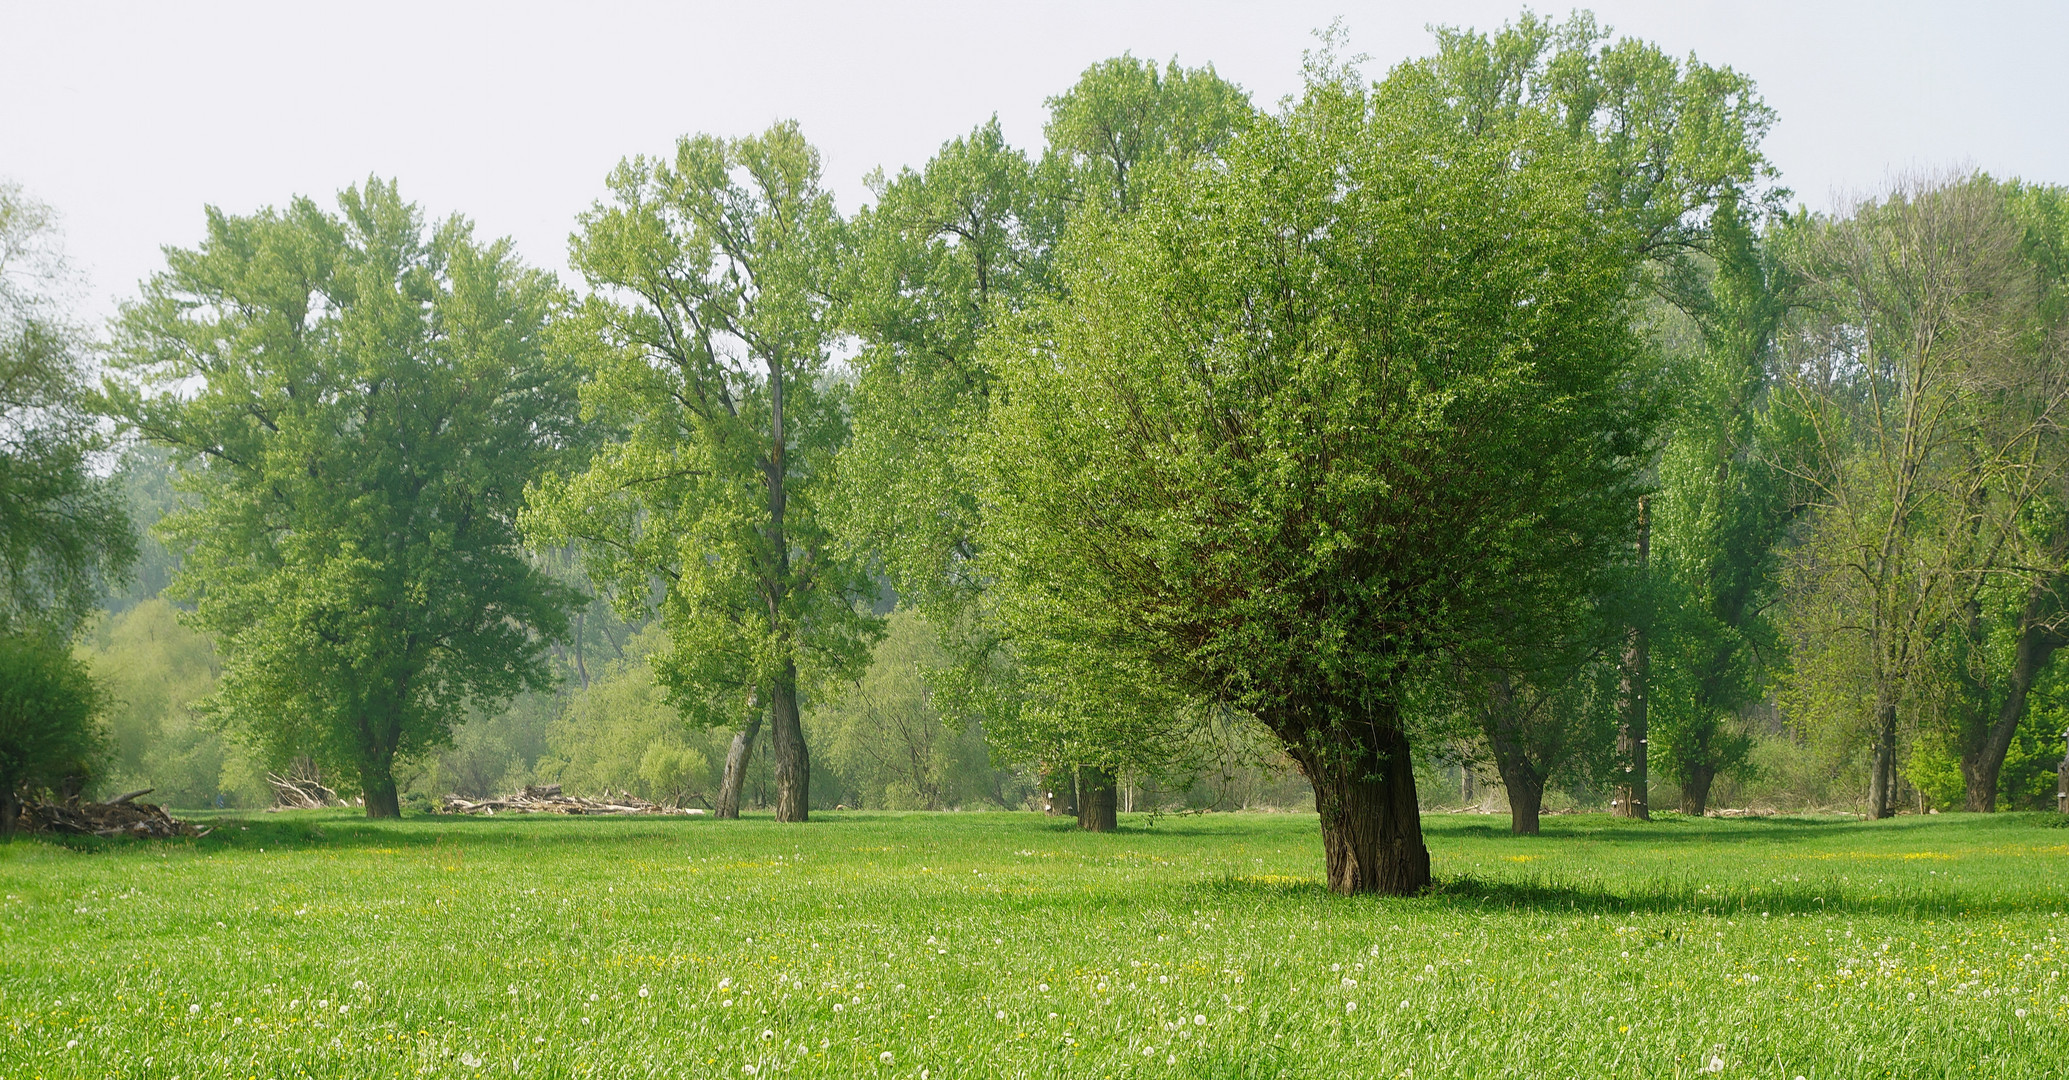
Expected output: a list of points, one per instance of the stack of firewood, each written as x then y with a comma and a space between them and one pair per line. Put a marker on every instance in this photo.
548, 799
122, 816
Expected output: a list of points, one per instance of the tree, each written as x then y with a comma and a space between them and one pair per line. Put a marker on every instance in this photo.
1931, 401
50, 710
1543, 697
1298, 426
64, 536
1724, 509
941, 255
1672, 150
357, 404
708, 343
1124, 116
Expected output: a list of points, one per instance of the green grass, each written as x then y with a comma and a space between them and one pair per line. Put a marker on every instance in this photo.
978, 945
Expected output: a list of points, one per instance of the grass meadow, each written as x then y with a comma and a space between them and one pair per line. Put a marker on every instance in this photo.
976, 945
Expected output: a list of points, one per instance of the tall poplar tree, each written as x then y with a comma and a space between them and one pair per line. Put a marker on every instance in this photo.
708, 343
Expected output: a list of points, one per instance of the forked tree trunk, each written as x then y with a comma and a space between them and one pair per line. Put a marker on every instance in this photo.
1631, 799
1364, 783
1695, 789
792, 763
1882, 788
734, 781
1524, 781
1097, 800
1059, 793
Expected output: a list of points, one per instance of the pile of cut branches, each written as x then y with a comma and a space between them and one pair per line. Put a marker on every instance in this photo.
549, 799
300, 793
122, 816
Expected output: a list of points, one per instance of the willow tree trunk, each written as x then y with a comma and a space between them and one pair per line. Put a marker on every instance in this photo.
1097, 800
1364, 781
735, 779
10, 809
1524, 781
792, 764
377, 785
1631, 799
1526, 798
1695, 789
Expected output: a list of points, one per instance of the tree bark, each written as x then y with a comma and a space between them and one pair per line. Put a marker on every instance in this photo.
10, 811
792, 763
1631, 799
1983, 762
1526, 798
1364, 783
1097, 800
735, 779
1695, 789
1882, 788
1524, 781
1059, 793
377, 785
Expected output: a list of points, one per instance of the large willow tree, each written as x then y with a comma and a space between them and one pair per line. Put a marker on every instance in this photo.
1351, 399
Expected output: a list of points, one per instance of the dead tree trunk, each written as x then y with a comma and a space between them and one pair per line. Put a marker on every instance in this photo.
735, 779
1097, 800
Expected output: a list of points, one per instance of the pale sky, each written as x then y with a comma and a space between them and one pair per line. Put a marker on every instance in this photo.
129, 118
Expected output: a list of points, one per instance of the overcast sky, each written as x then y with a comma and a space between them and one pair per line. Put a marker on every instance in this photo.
128, 118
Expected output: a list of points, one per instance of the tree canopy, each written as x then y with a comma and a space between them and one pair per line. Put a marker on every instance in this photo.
1316, 416
358, 402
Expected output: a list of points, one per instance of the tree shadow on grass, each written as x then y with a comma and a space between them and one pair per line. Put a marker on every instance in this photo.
1551, 896
1676, 830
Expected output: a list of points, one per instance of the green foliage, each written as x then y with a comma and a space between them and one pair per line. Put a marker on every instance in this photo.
1318, 413
623, 734
356, 405
157, 671
1124, 115
51, 731
927, 266
891, 743
707, 341
64, 539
